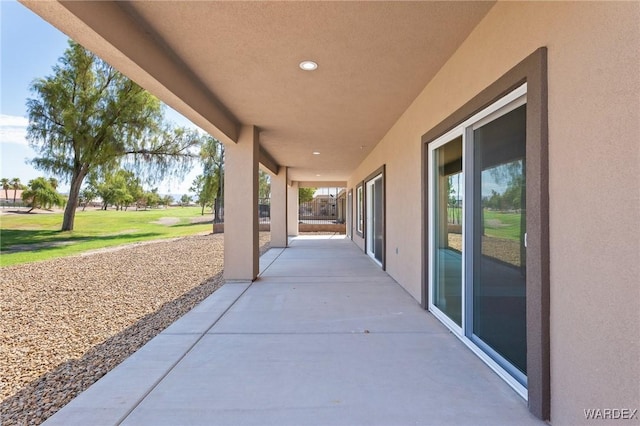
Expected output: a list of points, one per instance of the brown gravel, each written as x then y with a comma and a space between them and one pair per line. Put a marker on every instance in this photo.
502, 249
64, 323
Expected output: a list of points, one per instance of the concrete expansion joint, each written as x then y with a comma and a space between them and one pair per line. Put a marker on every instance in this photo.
231, 281
272, 260
184, 354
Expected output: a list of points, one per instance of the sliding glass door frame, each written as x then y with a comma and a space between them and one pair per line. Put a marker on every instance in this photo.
448, 137
532, 69
371, 197
374, 217
518, 97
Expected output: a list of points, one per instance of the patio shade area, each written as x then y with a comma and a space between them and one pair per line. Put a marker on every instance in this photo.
324, 336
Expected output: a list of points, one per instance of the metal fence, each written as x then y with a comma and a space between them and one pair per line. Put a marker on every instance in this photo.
323, 210
264, 210
9, 204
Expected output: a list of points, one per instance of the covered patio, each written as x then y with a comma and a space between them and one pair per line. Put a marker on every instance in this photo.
326, 334
323, 336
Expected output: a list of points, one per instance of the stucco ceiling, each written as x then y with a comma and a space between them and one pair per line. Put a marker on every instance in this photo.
224, 64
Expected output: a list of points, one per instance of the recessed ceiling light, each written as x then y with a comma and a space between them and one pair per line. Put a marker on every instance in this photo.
318, 175
308, 65
316, 152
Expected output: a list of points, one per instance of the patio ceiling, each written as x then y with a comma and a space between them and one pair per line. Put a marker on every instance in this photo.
226, 64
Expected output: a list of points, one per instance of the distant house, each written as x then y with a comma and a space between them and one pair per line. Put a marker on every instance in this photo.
12, 194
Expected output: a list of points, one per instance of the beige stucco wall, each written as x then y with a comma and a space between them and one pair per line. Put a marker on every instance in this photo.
594, 159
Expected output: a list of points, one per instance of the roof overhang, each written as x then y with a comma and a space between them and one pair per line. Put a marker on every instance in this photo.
227, 64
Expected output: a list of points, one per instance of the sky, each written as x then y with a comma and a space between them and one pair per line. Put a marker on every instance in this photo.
30, 47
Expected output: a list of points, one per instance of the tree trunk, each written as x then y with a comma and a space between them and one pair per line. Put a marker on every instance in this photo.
72, 203
217, 202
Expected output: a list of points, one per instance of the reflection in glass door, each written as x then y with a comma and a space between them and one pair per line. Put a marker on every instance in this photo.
477, 235
499, 261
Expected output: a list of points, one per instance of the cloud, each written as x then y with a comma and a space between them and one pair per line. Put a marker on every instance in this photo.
13, 129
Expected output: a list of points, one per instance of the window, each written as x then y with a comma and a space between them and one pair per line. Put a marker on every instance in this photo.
486, 250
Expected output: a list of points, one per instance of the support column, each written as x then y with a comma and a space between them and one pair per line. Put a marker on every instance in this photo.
241, 249
279, 195
293, 209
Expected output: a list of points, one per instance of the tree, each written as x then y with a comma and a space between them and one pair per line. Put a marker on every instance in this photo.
185, 200
305, 194
204, 190
264, 185
53, 182
88, 117
167, 200
120, 189
87, 195
16, 185
212, 158
5, 186
152, 199
41, 194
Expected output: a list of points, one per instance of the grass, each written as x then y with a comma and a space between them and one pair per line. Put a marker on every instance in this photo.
497, 224
38, 236
502, 225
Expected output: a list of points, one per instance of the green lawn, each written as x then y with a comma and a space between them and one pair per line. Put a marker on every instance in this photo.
502, 225
41, 238
496, 223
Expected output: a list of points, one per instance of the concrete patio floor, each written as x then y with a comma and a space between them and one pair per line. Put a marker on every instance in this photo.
323, 337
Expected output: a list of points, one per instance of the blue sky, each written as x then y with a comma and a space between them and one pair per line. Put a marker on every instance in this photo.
30, 47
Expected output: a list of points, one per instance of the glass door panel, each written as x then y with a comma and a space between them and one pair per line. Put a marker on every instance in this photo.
378, 231
499, 253
375, 214
447, 222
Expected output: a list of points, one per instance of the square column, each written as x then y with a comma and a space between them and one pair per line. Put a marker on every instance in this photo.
279, 195
293, 209
241, 249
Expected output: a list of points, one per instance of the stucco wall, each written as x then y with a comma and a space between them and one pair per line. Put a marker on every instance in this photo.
594, 181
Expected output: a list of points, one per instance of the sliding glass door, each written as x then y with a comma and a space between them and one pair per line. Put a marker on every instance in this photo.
477, 234
375, 218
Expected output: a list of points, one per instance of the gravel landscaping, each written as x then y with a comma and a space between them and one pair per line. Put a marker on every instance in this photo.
66, 322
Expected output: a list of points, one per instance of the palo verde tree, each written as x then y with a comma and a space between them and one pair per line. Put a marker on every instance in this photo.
87, 117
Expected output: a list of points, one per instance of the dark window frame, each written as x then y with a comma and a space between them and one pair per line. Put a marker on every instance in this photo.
533, 71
